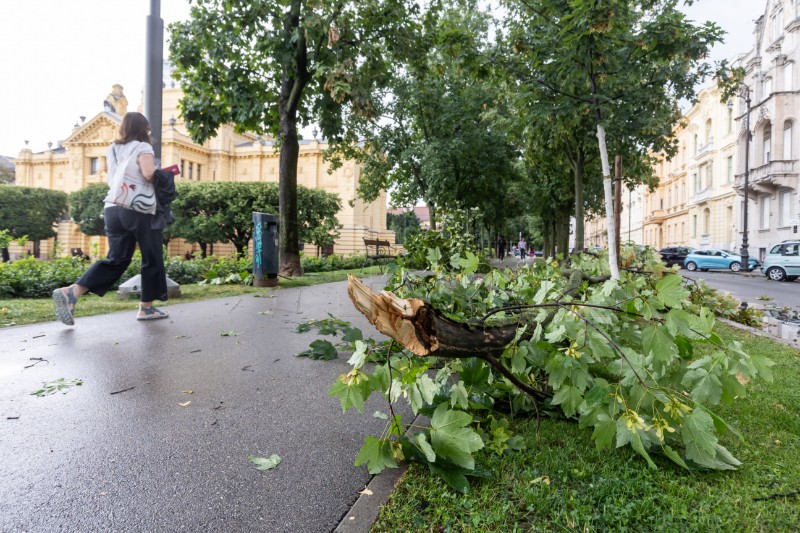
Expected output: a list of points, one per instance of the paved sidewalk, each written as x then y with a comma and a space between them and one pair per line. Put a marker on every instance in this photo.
92, 460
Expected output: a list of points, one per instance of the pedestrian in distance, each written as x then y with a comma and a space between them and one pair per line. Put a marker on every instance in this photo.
125, 228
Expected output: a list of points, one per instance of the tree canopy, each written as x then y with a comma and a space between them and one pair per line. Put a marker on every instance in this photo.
208, 212
86, 208
267, 66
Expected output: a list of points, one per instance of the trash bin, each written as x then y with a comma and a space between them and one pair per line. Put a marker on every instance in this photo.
265, 250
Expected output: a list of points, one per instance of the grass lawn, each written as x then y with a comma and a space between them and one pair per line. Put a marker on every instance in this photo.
561, 483
19, 311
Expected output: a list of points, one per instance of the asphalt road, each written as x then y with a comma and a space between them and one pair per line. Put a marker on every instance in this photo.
137, 461
751, 287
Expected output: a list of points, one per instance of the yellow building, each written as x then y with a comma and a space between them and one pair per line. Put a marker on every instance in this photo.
79, 160
694, 202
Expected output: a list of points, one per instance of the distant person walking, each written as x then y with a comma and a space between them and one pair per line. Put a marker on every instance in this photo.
125, 228
522, 248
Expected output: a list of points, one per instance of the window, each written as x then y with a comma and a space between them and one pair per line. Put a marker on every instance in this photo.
198, 172
764, 206
694, 225
695, 144
776, 25
183, 167
785, 205
767, 88
788, 74
708, 131
729, 169
191, 168
766, 146
788, 151
706, 221
94, 165
709, 176
695, 182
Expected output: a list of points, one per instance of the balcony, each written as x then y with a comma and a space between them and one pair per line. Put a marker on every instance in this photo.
700, 196
656, 216
769, 177
703, 150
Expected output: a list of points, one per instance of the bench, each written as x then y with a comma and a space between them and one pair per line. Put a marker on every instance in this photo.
377, 249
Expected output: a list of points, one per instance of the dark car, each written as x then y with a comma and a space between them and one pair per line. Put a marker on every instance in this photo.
675, 255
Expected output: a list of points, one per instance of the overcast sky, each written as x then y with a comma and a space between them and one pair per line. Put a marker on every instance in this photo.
59, 58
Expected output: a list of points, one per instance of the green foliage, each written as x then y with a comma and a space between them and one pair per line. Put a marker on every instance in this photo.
86, 208
60, 385
207, 212
452, 238
307, 62
31, 211
404, 225
634, 361
31, 278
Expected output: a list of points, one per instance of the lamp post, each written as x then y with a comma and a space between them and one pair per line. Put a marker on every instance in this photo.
744, 92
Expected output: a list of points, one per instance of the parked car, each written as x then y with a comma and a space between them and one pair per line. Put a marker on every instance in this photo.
674, 255
782, 262
713, 258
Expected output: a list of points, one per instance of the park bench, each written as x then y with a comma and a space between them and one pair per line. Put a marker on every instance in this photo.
378, 250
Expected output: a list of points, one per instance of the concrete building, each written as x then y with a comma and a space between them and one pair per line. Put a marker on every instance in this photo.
769, 164
79, 160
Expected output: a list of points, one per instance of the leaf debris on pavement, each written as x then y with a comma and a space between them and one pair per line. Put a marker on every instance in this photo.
60, 385
265, 463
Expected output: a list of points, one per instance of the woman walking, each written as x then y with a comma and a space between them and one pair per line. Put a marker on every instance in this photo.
124, 229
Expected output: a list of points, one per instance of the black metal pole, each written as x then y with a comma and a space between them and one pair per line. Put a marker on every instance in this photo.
745, 251
153, 80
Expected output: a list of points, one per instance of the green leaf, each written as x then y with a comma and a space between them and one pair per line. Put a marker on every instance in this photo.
671, 292
265, 463
762, 366
474, 373
376, 454
459, 396
425, 447
569, 398
453, 476
705, 386
352, 334
675, 456
303, 327
698, 436
451, 438
350, 395
60, 385
434, 256
656, 340
604, 431
320, 350
360, 355
636, 444
422, 392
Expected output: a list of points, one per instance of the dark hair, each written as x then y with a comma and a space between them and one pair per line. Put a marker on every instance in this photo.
134, 127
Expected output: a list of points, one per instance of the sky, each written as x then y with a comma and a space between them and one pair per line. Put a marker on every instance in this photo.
60, 58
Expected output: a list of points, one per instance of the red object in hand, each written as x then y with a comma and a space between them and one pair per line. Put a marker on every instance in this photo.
173, 168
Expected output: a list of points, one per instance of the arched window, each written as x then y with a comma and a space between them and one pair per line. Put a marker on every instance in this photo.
706, 221
788, 148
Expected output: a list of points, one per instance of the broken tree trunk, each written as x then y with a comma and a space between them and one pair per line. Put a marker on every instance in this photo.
424, 331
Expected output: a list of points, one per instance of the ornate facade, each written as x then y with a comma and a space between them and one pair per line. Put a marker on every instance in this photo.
770, 163
79, 160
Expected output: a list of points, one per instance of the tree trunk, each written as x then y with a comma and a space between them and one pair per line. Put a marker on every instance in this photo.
609, 200
6, 255
288, 234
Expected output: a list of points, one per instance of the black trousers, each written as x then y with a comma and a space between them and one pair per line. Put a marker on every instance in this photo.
124, 229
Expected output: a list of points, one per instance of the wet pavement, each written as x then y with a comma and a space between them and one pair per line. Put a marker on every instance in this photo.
125, 452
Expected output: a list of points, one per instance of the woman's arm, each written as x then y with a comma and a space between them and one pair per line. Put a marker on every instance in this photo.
147, 164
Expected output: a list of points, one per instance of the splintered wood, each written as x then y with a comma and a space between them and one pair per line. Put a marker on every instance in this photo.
394, 317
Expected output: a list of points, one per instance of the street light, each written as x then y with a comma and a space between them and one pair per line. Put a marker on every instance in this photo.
744, 92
